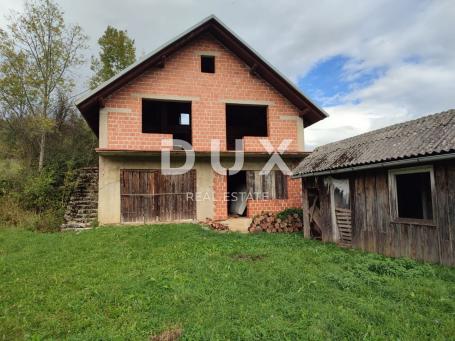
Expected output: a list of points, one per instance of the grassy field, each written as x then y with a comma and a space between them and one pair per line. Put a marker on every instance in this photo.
131, 283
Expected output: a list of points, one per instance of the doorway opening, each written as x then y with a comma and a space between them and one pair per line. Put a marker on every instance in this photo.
237, 194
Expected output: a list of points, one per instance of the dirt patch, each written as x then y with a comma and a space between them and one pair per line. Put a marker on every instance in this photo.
247, 257
172, 334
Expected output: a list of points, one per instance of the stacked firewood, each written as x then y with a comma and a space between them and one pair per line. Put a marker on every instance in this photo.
214, 225
270, 223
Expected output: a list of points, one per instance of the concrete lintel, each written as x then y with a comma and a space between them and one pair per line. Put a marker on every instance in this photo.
290, 118
111, 109
207, 53
247, 102
164, 97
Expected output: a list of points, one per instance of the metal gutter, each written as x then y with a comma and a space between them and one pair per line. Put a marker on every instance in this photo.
388, 164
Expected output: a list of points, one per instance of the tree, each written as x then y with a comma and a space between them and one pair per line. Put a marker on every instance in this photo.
117, 52
37, 53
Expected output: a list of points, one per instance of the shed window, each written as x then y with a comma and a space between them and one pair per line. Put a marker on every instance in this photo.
208, 64
412, 193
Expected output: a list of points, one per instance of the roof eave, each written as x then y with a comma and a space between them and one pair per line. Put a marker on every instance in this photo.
385, 164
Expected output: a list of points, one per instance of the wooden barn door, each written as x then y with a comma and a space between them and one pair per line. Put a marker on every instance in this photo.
149, 196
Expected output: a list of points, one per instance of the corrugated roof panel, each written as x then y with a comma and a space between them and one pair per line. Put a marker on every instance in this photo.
429, 135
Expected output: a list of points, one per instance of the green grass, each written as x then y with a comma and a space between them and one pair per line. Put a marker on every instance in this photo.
130, 283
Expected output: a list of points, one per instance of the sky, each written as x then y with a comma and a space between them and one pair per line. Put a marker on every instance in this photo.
368, 64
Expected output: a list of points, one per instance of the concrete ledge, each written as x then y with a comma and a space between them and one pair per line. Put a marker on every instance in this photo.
207, 53
247, 102
290, 118
111, 109
164, 97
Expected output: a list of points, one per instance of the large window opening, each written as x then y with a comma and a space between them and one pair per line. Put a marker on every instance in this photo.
244, 120
413, 198
167, 117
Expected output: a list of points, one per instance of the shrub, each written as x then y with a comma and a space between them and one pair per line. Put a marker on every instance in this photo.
290, 211
39, 193
9, 176
13, 215
49, 221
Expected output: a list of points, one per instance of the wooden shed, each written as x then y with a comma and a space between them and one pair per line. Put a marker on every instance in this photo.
390, 191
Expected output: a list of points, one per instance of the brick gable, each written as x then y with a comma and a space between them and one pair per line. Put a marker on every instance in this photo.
181, 78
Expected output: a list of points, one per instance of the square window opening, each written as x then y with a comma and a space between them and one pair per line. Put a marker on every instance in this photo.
244, 120
208, 64
167, 117
413, 195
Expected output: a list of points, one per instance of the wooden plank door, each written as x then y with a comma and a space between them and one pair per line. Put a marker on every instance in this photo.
149, 196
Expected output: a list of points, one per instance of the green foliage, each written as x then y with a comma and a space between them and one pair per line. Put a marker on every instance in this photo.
38, 51
117, 52
94, 223
12, 214
289, 212
39, 192
9, 179
130, 283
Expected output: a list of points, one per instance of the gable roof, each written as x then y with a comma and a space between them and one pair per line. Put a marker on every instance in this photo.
90, 103
426, 136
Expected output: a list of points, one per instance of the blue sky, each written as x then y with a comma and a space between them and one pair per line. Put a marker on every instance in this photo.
329, 81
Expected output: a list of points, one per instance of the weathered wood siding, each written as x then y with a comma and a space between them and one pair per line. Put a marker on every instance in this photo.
373, 230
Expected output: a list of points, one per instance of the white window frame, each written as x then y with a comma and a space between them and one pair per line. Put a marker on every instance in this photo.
393, 195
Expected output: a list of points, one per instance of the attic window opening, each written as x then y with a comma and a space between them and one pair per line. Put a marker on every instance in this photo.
244, 120
412, 193
167, 117
208, 64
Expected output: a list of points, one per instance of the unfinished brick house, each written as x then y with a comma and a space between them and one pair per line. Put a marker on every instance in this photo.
205, 84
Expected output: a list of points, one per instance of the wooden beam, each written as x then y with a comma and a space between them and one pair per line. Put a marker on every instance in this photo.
162, 62
304, 111
306, 212
253, 70
102, 102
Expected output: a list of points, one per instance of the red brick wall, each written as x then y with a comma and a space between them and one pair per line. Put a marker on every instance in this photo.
219, 191
275, 205
255, 206
181, 76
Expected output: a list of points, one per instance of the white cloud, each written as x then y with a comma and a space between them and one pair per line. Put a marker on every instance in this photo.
295, 35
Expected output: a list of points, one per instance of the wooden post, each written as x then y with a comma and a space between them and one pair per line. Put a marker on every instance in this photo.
305, 207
